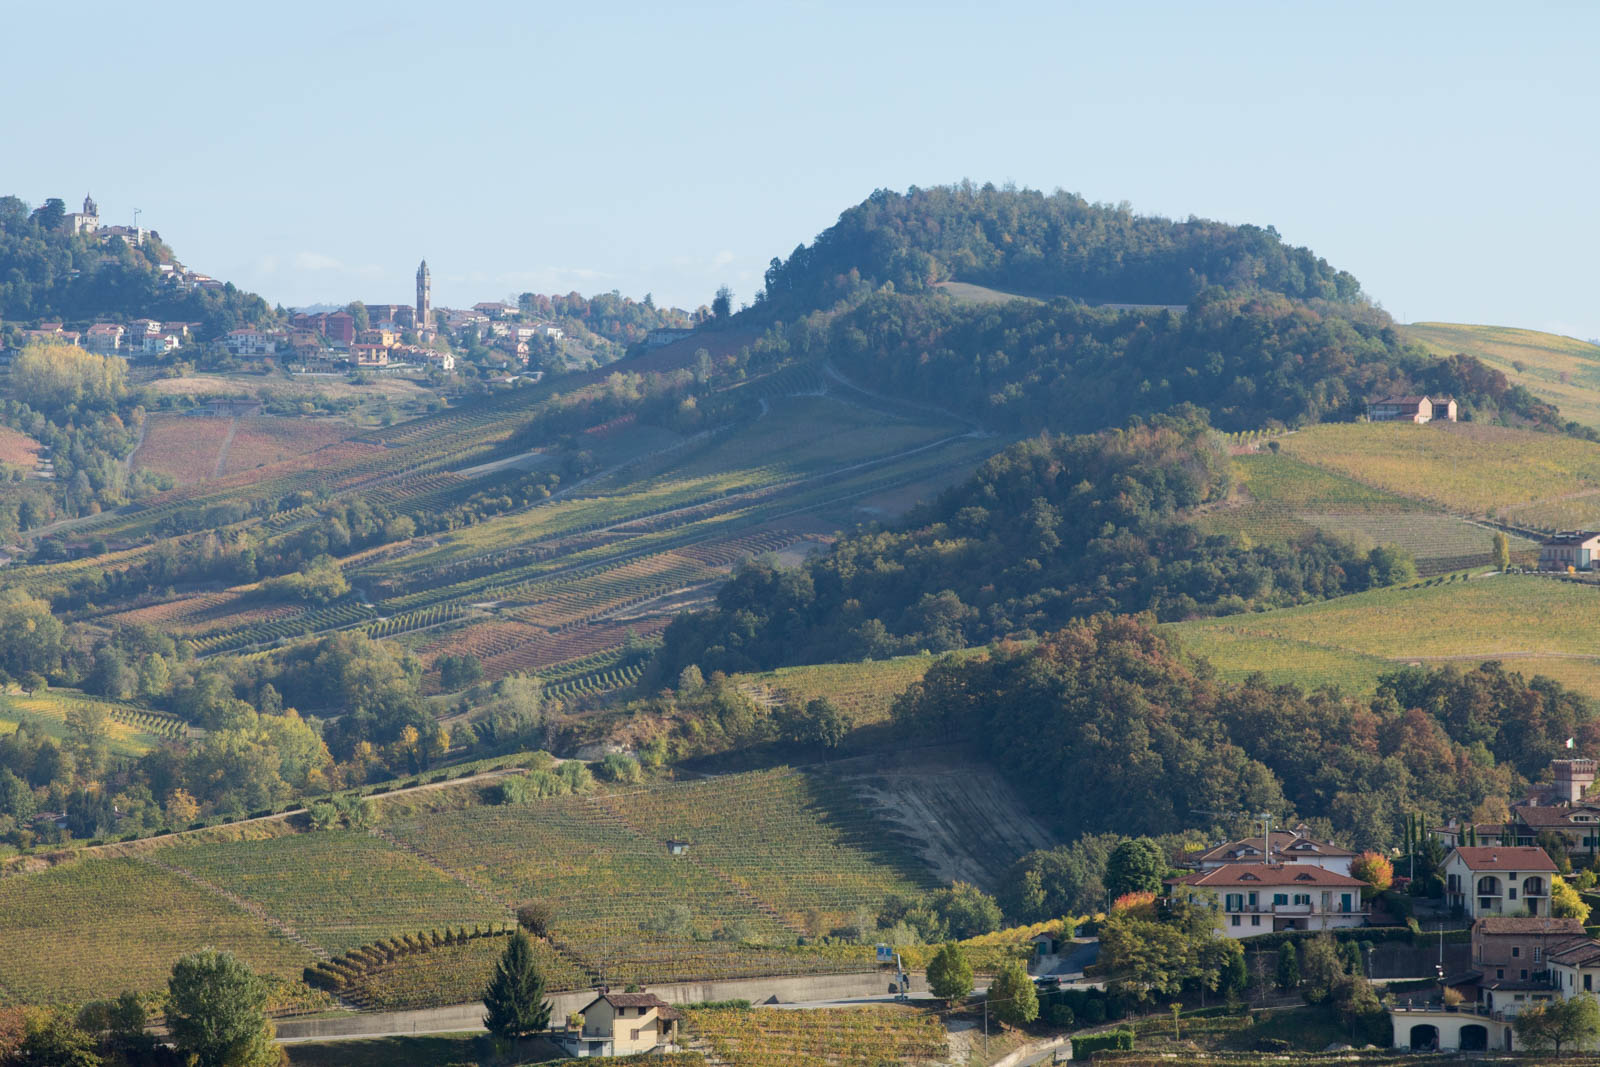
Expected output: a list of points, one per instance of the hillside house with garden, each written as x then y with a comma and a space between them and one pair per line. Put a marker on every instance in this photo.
1493, 880
1263, 898
1417, 409
1575, 550
622, 1024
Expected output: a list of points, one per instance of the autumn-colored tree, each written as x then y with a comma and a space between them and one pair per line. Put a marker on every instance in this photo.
1141, 905
1374, 869
182, 808
1565, 903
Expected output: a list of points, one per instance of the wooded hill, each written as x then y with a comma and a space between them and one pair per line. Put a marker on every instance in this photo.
47, 273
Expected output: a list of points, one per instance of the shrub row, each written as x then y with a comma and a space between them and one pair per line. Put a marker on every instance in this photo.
1111, 1040
342, 971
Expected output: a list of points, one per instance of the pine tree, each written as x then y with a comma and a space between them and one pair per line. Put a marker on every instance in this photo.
515, 997
1288, 967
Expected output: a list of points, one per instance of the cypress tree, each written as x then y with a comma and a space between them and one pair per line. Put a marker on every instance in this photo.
1288, 967
515, 997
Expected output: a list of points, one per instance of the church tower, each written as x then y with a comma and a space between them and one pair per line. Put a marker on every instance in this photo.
424, 298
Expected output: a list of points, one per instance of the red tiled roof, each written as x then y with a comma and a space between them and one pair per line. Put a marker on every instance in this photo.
1505, 858
1254, 874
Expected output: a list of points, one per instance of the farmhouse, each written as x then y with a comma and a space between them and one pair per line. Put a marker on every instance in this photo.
622, 1024
1576, 550
1493, 880
1261, 898
1418, 409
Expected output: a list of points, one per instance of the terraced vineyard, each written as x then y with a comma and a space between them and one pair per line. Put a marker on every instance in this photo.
451, 974
1531, 624
94, 928
831, 1037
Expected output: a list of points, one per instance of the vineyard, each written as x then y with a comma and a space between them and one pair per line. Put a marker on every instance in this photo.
831, 1037
1463, 468
1531, 624
339, 889
415, 971
18, 449
185, 448
131, 730
772, 855
1562, 370
96, 927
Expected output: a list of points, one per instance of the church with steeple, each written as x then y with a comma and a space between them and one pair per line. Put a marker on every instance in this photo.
85, 221
424, 299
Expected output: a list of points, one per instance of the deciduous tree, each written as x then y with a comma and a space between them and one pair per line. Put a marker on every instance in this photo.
216, 1012
1012, 993
949, 974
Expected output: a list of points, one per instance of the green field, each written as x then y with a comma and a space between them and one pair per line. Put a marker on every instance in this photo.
1533, 625
1534, 479
1562, 370
864, 690
94, 928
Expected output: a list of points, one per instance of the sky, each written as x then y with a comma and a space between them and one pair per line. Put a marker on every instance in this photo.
1446, 154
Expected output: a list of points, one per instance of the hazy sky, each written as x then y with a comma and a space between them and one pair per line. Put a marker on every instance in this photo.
1446, 153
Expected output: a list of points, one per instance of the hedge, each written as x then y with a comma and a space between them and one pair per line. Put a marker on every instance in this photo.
1110, 1040
1357, 933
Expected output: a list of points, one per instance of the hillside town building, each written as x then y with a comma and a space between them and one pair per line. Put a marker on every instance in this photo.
1494, 880
622, 1024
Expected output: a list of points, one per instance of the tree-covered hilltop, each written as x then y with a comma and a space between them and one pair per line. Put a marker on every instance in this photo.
1250, 359
1052, 529
1108, 708
47, 273
1054, 245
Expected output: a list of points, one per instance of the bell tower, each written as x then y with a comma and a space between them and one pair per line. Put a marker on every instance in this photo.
424, 298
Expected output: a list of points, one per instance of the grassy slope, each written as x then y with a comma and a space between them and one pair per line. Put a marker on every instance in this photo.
45, 712
1534, 479
1281, 497
1534, 625
1562, 370
864, 690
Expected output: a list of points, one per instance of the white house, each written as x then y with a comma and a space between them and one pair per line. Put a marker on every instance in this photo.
1287, 846
1261, 898
249, 342
1495, 880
